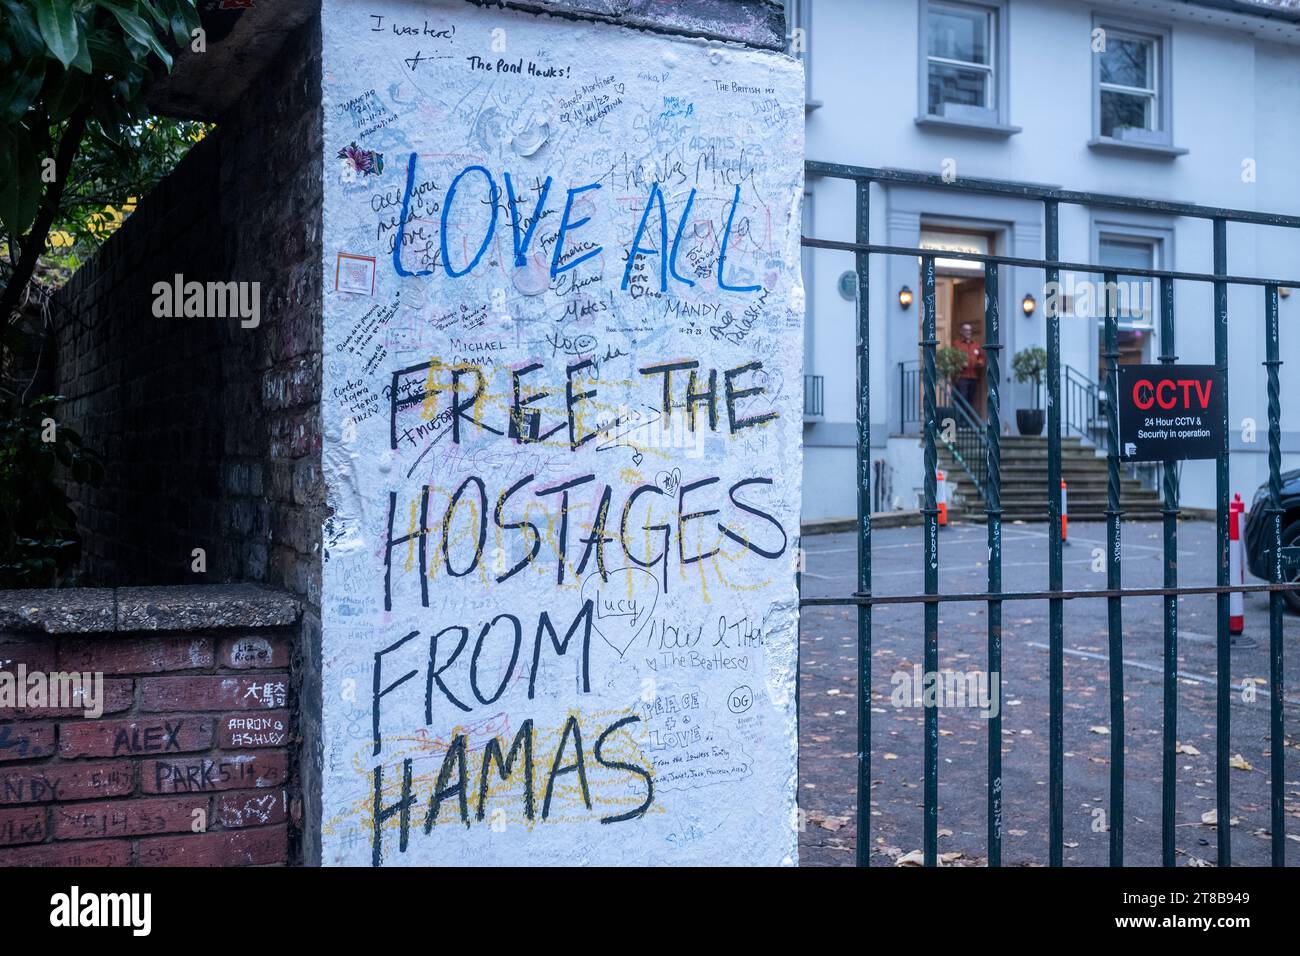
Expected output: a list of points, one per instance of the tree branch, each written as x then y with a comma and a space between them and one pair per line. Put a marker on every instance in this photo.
33, 244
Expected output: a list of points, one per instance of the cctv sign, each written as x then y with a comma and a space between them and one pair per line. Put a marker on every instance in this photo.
1170, 412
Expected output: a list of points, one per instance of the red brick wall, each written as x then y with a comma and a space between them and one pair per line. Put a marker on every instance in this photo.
188, 765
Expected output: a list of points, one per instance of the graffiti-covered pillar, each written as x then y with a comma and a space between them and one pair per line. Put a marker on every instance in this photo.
562, 413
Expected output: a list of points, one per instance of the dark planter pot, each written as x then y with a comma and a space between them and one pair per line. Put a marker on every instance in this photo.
1030, 421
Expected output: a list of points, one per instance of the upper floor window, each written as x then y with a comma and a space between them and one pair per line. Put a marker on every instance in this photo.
1128, 89
1131, 87
960, 54
964, 64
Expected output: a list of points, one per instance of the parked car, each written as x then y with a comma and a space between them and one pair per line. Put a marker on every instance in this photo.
1258, 531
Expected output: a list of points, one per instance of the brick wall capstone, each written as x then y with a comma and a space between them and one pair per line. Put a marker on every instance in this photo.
189, 763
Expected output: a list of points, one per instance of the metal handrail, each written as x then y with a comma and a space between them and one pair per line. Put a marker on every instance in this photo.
1085, 410
969, 447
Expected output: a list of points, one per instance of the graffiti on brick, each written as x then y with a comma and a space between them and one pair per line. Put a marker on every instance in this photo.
258, 730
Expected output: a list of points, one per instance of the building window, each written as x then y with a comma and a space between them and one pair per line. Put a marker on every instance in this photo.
1131, 87
1135, 299
960, 58
963, 59
1136, 294
1127, 86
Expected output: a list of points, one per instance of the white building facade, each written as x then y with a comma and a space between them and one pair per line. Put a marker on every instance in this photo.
1191, 102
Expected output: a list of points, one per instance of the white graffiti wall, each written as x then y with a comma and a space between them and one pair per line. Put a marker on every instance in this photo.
562, 412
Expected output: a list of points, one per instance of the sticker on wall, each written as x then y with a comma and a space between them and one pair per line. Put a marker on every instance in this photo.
355, 273
355, 161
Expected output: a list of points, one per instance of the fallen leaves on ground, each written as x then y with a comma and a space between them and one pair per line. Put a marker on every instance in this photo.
1211, 819
917, 858
826, 821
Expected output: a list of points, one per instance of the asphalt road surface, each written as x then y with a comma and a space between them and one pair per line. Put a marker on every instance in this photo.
828, 728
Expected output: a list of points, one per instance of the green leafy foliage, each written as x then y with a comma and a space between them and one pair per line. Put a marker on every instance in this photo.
1028, 365
949, 361
38, 531
110, 173
58, 57
59, 29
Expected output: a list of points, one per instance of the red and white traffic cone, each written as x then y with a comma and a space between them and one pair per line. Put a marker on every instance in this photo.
1065, 514
941, 498
1236, 566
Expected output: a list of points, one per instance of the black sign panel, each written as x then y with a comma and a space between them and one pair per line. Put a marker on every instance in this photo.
1170, 412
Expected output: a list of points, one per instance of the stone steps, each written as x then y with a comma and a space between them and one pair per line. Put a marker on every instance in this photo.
1024, 484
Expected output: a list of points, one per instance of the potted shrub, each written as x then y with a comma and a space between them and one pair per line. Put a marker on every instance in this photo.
948, 362
1029, 365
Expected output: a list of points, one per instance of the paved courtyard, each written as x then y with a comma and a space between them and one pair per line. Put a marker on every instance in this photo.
828, 728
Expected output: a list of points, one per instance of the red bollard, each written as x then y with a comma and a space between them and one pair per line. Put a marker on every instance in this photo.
1065, 514
941, 499
1236, 566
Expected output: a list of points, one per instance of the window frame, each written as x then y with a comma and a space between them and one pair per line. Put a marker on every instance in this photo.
1160, 139
1161, 233
995, 119
1154, 243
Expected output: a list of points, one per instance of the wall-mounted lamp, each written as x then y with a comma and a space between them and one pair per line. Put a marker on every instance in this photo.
905, 298
1029, 304
1284, 292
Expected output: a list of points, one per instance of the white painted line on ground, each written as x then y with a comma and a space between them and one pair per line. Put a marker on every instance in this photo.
1181, 675
949, 567
1075, 539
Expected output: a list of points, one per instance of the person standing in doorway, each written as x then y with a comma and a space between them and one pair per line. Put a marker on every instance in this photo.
968, 380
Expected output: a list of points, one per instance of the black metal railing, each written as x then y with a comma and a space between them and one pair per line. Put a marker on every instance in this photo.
813, 396
1056, 595
961, 427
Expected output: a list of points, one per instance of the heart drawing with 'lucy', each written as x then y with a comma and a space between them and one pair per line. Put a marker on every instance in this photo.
622, 604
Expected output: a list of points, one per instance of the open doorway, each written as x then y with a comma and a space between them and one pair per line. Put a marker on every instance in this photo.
959, 306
